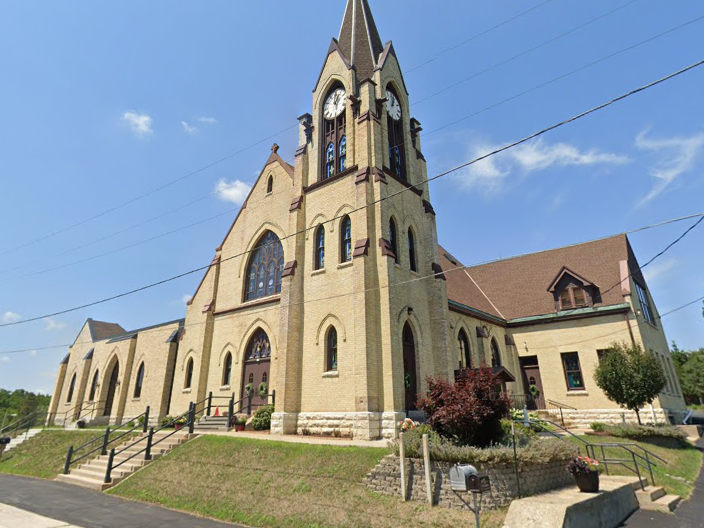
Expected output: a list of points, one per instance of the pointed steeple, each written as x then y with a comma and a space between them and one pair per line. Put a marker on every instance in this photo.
359, 39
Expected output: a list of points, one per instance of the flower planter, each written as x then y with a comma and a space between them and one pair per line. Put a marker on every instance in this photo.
178, 426
240, 427
587, 482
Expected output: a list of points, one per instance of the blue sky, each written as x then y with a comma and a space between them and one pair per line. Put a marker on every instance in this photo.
101, 102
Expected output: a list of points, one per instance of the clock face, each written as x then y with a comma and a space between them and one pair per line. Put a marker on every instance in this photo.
335, 104
393, 107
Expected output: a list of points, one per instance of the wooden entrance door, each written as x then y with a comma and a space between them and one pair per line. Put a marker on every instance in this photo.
111, 389
409, 368
255, 372
530, 371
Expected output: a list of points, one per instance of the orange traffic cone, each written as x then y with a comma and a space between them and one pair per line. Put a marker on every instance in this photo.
217, 411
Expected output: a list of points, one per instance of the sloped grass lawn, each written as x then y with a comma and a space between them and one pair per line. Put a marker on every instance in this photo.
43, 456
684, 461
277, 484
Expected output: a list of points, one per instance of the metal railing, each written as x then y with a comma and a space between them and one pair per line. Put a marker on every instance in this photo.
22, 424
554, 408
645, 461
105, 440
77, 413
148, 441
529, 401
244, 405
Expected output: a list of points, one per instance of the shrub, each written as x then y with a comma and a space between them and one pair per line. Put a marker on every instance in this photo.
636, 432
262, 418
524, 435
166, 420
444, 450
598, 427
140, 420
470, 411
538, 424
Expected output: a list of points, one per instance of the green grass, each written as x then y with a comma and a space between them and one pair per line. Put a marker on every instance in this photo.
684, 461
277, 484
42, 456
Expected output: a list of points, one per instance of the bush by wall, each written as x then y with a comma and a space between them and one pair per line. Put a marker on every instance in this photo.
262, 418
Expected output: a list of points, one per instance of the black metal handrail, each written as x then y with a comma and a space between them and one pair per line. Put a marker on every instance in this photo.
149, 440
25, 422
106, 440
76, 411
590, 449
552, 405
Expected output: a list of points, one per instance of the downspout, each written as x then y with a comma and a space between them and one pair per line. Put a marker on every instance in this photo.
630, 329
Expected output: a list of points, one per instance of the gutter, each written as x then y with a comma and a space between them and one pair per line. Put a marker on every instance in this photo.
567, 315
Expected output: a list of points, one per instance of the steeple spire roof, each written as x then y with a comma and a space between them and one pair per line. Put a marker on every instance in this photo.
359, 39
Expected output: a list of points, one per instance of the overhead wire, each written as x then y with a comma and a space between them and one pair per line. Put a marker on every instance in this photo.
389, 196
229, 156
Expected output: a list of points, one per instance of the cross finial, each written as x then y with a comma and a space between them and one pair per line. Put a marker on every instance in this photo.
274, 148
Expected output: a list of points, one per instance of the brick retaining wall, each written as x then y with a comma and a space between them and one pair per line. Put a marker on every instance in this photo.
534, 478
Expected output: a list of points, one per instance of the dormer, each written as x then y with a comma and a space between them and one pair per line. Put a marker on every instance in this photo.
570, 291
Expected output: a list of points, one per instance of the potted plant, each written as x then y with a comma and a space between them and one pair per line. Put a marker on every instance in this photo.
178, 424
240, 423
586, 473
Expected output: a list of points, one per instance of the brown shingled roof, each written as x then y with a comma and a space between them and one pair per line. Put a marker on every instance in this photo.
518, 286
359, 38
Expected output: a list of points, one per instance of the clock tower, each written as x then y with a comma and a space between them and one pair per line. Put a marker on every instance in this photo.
366, 253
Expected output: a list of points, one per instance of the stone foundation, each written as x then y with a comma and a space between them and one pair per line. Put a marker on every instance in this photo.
358, 425
584, 417
533, 478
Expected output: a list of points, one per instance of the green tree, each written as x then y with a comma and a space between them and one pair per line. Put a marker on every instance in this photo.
630, 376
690, 371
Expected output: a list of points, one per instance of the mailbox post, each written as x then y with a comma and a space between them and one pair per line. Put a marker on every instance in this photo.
4, 440
466, 478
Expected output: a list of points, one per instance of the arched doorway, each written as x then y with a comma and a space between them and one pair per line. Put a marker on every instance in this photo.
255, 375
409, 368
112, 388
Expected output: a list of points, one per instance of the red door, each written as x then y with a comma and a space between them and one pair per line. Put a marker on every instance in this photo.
409, 368
533, 383
255, 374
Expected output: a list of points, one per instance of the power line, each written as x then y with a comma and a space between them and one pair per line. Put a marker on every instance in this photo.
490, 107
474, 37
404, 189
229, 156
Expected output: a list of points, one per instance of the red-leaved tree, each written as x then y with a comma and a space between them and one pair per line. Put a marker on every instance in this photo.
470, 411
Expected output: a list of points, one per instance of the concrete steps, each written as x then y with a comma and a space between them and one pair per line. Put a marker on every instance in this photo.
209, 424
654, 498
92, 473
20, 439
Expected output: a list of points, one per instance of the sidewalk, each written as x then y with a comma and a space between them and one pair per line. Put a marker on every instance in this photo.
66, 506
690, 514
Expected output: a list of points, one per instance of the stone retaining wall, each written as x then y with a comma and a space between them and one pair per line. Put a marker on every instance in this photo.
534, 478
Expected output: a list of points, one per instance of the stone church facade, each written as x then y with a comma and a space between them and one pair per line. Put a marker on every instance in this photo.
331, 289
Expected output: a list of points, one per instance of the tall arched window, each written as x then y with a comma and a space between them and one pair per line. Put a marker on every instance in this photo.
139, 381
495, 354
270, 185
94, 385
320, 247
346, 239
331, 350
465, 351
266, 265
334, 133
189, 374
71, 388
412, 250
227, 369
393, 239
394, 122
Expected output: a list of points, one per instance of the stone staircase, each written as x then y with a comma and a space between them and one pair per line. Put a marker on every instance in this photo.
210, 424
19, 439
92, 473
654, 498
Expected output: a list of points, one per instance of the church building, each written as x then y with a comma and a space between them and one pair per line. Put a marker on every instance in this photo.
331, 290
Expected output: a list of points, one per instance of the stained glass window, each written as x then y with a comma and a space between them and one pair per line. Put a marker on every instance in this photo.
412, 251
343, 153
346, 242
331, 352
330, 161
259, 347
320, 248
265, 268
94, 386
139, 381
227, 369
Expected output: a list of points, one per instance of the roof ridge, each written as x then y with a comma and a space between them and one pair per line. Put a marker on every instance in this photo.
484, 294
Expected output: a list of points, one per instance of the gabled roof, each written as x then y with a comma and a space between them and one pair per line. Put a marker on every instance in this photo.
100, 330
359, 39
566, 271
517, 286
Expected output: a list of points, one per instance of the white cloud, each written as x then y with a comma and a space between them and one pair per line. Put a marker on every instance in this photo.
235, 191
682, 152
208, 120
140, 124
490, 173
11, 317
32, 352
188, 129
5, 359
659, 269
52, 325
